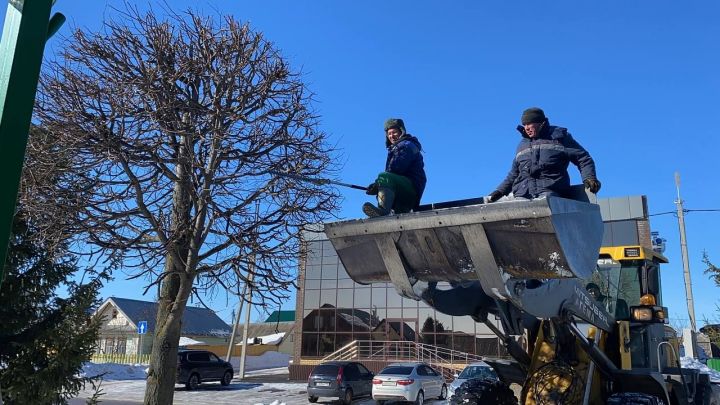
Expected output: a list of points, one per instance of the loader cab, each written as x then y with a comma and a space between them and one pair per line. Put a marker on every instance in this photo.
628, 277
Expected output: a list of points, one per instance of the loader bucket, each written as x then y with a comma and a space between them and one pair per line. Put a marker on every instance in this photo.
529, 239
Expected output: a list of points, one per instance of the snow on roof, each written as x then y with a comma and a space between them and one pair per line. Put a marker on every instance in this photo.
273, 339
354, 320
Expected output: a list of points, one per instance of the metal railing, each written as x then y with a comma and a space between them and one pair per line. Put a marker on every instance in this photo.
120, 358
447, 360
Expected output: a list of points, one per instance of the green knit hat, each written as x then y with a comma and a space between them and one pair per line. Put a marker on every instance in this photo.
396, 123
532, 115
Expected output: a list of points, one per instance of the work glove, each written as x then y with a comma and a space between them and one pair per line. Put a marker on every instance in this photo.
494, 196
372, 189
592, 184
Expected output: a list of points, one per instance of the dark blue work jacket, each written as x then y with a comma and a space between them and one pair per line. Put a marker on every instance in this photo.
540, 164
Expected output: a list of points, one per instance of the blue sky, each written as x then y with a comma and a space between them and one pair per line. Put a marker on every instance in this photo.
636, 83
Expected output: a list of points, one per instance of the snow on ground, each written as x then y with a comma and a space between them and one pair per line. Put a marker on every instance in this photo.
264, 361
113, 371
689, 362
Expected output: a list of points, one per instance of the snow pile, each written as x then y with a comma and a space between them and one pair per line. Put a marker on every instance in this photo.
186, 341
264, 361
689, 362
114, 371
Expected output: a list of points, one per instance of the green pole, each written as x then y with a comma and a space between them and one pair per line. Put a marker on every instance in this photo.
24, 35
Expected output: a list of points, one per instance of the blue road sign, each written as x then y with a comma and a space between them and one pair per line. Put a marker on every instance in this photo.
142, 327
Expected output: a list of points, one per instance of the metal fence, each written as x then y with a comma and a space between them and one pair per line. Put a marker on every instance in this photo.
120, 358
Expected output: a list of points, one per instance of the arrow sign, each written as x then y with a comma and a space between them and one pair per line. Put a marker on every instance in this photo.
142, 327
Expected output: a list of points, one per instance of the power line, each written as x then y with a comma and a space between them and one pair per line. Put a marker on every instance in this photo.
685, 211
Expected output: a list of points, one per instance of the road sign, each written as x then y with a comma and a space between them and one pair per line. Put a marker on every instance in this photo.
142, 327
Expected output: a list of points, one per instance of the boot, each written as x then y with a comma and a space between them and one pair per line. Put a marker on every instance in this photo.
385, 198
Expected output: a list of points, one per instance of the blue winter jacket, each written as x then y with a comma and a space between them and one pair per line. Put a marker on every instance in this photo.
541, 163
405, 159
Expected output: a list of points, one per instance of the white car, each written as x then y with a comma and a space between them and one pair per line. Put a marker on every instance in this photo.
473, 370
408, 382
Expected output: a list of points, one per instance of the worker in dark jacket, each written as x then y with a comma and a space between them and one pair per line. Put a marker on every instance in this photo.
401, 185
541, 161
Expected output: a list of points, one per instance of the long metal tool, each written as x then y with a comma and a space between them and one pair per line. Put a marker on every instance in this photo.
315, 180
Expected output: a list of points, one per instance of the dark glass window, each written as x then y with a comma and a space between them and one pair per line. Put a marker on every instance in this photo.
326, 344
326, 320
310, 322
397, 370
309, 346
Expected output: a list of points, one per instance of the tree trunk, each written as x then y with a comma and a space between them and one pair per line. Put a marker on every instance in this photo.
175, 291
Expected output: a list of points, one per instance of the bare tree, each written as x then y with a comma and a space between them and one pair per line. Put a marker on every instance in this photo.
173, 126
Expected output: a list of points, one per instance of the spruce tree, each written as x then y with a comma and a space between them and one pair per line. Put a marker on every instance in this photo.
47, 330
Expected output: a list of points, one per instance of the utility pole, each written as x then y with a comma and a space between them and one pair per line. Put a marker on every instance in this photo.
235, 324
684, 252
248, 295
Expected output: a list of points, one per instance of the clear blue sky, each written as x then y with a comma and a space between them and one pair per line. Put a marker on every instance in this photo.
636, 83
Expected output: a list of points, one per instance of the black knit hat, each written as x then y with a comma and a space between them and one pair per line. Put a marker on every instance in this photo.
532, 115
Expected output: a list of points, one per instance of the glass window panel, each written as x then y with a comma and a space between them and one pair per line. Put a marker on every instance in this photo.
394, 313
393, 299
327, 297
309, 345
464, 343
312, 284
377, 316
379, 297
328, 249
328, 284
426, 317
346, 283
362, 320
342, 273
341, 339
326, 320
345, 298
312, 272
326, 345
408, 303
443, 340
362, 297
464, 324
410, 313
443, 323
329, 271
310, 322
361, 336
311, 299
345, 320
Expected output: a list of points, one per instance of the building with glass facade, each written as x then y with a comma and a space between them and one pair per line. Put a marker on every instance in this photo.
336, 310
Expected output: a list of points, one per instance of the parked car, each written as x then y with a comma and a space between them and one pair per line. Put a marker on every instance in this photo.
339, 379
473, 370
195, 367
408, 382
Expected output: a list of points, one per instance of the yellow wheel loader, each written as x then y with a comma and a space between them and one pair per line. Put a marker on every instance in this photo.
583, 325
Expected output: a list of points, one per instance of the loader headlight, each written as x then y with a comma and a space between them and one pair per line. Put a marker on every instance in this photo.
642, 314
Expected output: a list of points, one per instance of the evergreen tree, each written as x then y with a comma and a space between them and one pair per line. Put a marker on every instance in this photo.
47, 330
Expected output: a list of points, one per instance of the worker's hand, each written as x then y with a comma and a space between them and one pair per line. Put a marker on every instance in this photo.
372, 189
494, 196
593, 185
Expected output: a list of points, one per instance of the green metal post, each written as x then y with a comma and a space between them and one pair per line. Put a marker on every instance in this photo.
21, 50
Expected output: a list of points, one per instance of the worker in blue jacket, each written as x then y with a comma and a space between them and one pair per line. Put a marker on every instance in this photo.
400, 187
539, 168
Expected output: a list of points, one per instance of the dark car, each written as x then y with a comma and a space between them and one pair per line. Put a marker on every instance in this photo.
339, 379
198, 366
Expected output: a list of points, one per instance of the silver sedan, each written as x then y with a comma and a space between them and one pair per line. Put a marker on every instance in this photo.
408, 382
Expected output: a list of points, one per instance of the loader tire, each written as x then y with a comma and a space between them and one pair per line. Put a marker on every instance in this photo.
483, 391
634, 398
